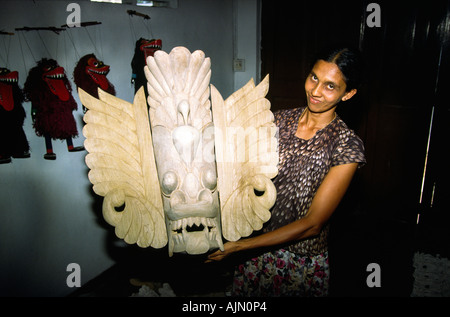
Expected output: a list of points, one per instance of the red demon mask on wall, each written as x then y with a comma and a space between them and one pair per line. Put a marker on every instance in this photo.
90, 74
149, 47
13, 141
7, 79
53, 75
143, 49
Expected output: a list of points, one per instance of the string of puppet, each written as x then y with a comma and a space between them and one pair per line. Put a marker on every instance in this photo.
55, 30
6, 48
99, 53
45, 46
38, 29
22, 52
69, 35
145, 21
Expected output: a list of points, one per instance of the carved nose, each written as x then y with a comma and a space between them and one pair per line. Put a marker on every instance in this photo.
186, 139
183, 110
191, 185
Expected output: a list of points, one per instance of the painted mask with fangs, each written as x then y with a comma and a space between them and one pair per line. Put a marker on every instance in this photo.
149, 47
98, 71
54, 76
7, 80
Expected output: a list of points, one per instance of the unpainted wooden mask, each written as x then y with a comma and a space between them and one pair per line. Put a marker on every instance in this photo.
183, 168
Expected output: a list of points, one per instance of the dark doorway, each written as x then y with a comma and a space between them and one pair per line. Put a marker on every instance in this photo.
398, 202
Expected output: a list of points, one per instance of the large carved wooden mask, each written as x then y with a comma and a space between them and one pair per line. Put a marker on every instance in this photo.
200, 169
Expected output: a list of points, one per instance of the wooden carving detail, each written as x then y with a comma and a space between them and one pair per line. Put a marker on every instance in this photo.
247, 158
122, 167
185, 176
183, 140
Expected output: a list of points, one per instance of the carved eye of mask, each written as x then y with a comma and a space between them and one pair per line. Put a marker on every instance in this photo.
209, 178
169, 182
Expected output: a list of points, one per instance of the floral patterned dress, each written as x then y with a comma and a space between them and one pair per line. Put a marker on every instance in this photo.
300, 268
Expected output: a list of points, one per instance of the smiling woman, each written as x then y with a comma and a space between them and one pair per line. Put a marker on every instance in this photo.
318, 156
335, 77
325, 87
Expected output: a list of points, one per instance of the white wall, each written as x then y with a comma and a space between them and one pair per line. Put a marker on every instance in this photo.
48, 215
247, 40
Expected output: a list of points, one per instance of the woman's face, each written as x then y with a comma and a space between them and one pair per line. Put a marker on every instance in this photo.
325, 87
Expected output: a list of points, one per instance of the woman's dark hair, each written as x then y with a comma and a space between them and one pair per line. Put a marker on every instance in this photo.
349, 62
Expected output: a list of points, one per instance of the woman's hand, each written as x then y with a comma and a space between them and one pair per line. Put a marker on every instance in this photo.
325, 201
229, 248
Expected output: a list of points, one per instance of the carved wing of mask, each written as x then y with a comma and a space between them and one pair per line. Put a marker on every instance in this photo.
247, 158
122, 167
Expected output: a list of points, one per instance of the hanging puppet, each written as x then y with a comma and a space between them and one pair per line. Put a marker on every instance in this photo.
143, 49
90, 74
13, 141
52, 104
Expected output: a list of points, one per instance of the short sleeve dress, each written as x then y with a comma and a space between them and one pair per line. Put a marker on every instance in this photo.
301, 268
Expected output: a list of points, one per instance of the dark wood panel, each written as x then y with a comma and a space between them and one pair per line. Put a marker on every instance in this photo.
392, 111
291, 36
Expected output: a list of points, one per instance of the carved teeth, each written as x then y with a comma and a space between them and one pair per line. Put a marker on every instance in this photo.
182, 224
183, 233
